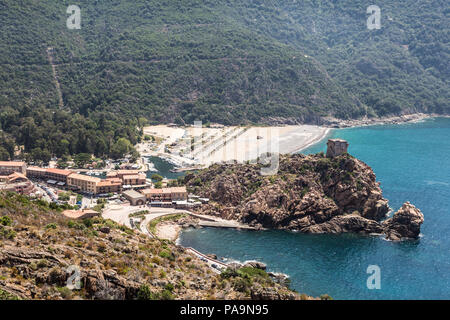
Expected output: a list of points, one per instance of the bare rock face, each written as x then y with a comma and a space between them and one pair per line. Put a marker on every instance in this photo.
260, 293
107, 285
105, 230
348, 223
405, 223
255, 264
228, 190
234, 265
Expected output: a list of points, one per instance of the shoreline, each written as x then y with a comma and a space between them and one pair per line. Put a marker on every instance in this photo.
357, 123
315, 141
291, 138
171, 229
346, 124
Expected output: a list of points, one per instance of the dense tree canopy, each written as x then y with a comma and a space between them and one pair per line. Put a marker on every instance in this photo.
232, 62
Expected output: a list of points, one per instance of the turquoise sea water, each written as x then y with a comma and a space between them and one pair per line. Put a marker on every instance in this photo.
412, 162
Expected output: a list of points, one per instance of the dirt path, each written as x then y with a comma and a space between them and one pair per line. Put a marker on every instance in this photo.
55, 76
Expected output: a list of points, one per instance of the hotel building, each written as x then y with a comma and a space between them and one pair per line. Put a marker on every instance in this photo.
83, 183
16, 182
129, 177
8, 167
58, 174
165, 194
134, 179
109, 185
36, 173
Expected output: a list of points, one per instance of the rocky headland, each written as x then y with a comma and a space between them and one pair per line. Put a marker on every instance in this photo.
309, 193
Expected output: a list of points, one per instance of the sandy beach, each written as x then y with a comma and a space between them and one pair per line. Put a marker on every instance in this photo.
215, 145
194, 147
168, 230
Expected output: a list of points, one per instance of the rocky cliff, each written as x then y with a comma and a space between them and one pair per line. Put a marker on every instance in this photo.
40, 250
312, 194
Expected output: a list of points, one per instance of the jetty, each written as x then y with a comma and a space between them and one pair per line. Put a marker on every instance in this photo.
214, 222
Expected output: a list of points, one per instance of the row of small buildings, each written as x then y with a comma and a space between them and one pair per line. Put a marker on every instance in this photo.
115, 181
15, 177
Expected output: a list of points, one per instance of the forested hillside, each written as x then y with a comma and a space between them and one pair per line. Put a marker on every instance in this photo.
233, 62
402, 67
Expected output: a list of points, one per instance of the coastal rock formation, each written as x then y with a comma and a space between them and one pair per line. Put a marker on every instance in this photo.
261, 293
405, 223
310, 193
255, 264
347, 223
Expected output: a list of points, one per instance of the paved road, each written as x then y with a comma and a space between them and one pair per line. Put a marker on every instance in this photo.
45, 196
121, 214
215, 265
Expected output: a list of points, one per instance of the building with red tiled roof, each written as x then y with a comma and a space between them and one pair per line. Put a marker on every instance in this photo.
125, 172
8, 167
109, 185
16, 182
49, 173
17, 177
36, 173
58, 174
134, 179
83, 183
165, 194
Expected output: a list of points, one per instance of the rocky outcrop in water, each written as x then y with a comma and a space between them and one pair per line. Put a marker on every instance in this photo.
405, 223
311, 194
255, 264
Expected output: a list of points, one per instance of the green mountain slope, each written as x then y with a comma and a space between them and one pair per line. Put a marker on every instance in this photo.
401, 68
161, 59
232, 62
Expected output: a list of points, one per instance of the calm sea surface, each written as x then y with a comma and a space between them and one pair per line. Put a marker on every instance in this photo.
412, 162
162, 167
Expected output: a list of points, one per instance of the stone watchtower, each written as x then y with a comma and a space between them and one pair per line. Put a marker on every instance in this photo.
336, 147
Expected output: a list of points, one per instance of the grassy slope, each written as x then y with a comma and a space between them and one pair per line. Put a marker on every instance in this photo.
147, 268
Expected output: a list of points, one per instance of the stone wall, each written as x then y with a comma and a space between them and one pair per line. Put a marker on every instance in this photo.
336, 147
